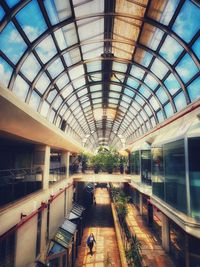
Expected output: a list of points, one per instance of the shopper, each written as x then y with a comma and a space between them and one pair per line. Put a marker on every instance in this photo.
90, 242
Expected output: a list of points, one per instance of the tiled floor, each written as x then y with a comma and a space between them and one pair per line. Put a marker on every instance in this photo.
100, 223
152, 253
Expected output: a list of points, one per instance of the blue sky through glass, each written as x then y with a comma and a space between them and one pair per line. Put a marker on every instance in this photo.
186, 25
11, 43
186, 68
12, 3
31, 20
196, 47
2, 12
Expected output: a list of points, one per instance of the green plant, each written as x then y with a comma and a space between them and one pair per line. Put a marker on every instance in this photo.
133, 253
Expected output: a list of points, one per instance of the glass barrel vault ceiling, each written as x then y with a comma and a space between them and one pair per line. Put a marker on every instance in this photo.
105, 72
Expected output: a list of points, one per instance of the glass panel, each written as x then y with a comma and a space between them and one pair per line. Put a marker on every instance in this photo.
78, 83
51, 95
186, 25
167, 52
194, 172
76, 72
52, 115
5, 72
144, 91
196, 47
90, 7
157, 172
180, 101
172, 84
42, 83
20, 88
159, 68
62, 81
162, 11
150, 81
44, 109
51, 11
151, 36
132, 83
34, 100
119, 67
146, 166
12, 3
168, 110
177, 244
46, 49
154, 103
194, 89
60, 39
35, 26
72, 57
11, 43
2, 13
67, 91
161, 94
175, 187
96, 27
63, 9
160, 116
137, 72
57, 102
186, 68
129, 92
142, 57
30, 67
70, 35
135, 163
55, 68
93, 66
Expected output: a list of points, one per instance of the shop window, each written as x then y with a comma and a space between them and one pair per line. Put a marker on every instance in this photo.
177, 244
157, 172
7, 251
175, 184
135, 162
146, 166
38, 240
194, 174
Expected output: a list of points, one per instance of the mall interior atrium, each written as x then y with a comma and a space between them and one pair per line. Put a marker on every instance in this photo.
87, 79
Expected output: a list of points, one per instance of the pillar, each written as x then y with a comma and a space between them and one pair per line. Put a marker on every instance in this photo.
42, 160
165, 233
65, 157
141, 204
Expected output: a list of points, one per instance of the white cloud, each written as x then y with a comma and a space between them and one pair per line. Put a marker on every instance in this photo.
15, 37
31, 32
4, 76
46, 49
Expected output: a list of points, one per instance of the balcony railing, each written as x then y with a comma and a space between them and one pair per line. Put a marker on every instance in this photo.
17, 183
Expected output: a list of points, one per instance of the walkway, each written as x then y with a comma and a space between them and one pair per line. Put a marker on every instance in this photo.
100, 223
153, 254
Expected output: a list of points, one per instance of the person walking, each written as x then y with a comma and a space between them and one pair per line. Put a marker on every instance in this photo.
90, 242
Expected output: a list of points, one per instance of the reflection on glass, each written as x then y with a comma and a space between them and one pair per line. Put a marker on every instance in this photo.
180, 101
135, 162
5, 72
157, 172
194, 175
175, 184
146, 166
177, 244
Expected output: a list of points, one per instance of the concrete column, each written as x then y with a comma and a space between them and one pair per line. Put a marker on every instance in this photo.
42, 160
165, 232
65, 157
141, 204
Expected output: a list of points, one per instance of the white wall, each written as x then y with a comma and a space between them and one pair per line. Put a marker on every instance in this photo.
26, 244
56, 217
